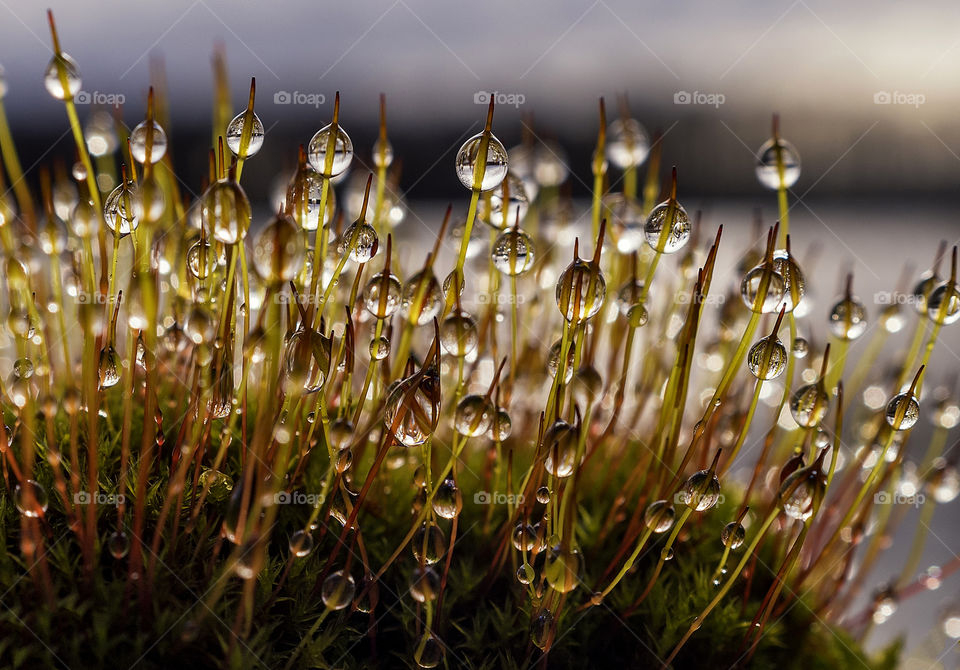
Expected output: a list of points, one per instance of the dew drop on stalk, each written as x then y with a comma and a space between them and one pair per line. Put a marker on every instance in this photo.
563, 568
501, 426
626, 219
495, 169
800, 348
891, 319
798, 492
366, 245
794, 284
479, 237
423, 286
53, 81
553, 360
524, 537
279, 250
412, 408
202, 259
217, 484
733, 535
23, 368
379, 348
301, 544
306, 360
848, 319
30, 498
808, 405
446, 500
907, 406
767, 358
109, 369
458, 334
525, 574
379, 285
943, 482
138, 143
517, 204
543, 495
235, 135
701, 491
678, 227
225, 210
540, 629
303, 200
752, 284
628, 143
118, 544
424, 584
560, 448
943, 305
199, 325
429, 653
768, 173
581, 290
120, 211
382, 153
587, 385
337, 590
473, 415
513, 252
342, 151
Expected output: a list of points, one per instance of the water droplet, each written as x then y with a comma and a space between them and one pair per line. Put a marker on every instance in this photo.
733, 535
225, 210
625, 216
768, 172
553, 360
908, 405
413, 408
30, 498
525, 574
501, 426
120, 211
701, 491
495, 169
379, 348
794, 284
118, 544
446, 500
424, 584
754, 282
337, 590
767, 358
540, 630
341, 433
366, 245
800, 348
543, 495
235, 135
678, 227
581, 290
563, 568
473, 415
422, 287
109, 367
798, 492
848, 319
23, 368
627, 143
138, 143
518, 203
306, 360
53, 81
381, 295
458, 334
301, 544
278, 250
943, 482
342, 151
524, 537
808, 405
560, 446
429, 653
513, 252
428, 544
943, 305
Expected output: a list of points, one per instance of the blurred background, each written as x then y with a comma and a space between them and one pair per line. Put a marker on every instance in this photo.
867, 92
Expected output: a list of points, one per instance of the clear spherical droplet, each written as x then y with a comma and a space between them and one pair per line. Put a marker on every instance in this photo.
301, 544
560, 447
765, 280
848, 319
337, 590
71, 73
118, 544
381, 295
581, 290
809, 404
943, 305
364, 246
701, 491
458, 334
768, 170
225, 210
473, 416
733, 535
120, 211
235, 135
446, 500
138, 143
495, 162
279, 250
767, 358
428, 544
421, 299
659, 516
907, 406
513, 252
667, 236
627, 143
30, 498
342, 151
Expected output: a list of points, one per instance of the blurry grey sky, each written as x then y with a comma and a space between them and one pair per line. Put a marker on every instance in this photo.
820, 64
